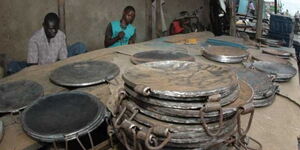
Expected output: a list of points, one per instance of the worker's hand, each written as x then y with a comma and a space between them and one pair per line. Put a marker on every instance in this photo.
121, 35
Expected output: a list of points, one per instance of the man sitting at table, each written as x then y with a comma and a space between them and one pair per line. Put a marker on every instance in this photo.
121, 32
48, 44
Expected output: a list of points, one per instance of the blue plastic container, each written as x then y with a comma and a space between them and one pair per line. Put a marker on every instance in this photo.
282, 28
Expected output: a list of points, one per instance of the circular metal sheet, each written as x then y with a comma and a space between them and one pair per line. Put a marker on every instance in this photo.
281, 71
15, 96
181, 79
276, 52
261, 83
159, 55
63, 116
225, 54
84, 73
270, 58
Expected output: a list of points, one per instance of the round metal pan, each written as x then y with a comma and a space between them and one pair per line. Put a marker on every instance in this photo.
225, 54
159, 55
270, 58
276, 52
87, 73
181, 79
15, 96
281, 71
261, 83
63, 116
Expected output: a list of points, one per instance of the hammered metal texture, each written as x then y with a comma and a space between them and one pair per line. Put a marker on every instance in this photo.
17, 95
261, 83
159, 55
181, 79
84, 73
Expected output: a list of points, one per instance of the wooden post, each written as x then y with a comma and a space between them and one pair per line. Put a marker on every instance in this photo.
259, 13
61, 14
148, 22
232, 18
158, 19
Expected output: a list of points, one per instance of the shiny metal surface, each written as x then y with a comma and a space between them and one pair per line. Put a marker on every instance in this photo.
181, 79
84, 73
160, 55
225, 54
281, 71
63, 116
15, 96
261, 83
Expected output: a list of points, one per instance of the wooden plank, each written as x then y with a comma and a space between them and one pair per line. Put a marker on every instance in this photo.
61, 14
259, 13
232, 18
158, 19
148, 16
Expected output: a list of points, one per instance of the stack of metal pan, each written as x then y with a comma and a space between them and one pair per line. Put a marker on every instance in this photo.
270, 58
264, 87
225, 54
282, 72
182, 105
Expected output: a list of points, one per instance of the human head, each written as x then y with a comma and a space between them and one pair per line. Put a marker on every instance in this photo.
51, 25
128, 14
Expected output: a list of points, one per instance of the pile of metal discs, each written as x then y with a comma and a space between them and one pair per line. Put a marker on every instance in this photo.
225, 54
270, 58
176, 105
282, 72
159, 55
264, 87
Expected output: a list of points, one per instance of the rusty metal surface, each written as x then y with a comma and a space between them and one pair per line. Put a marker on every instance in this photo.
282, 72
261, 83
180, 79
159, 55
84, 73
276, 52
225, 54
270, 58
15, 96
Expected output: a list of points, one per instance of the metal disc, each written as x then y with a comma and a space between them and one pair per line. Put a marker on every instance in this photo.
63, 116
276, 52
225, 54
159, 55
261, 83
15, 96
84, 73
270, 58
281, 71
181, 79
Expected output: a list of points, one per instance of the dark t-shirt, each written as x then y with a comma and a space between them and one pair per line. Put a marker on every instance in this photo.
108, 32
